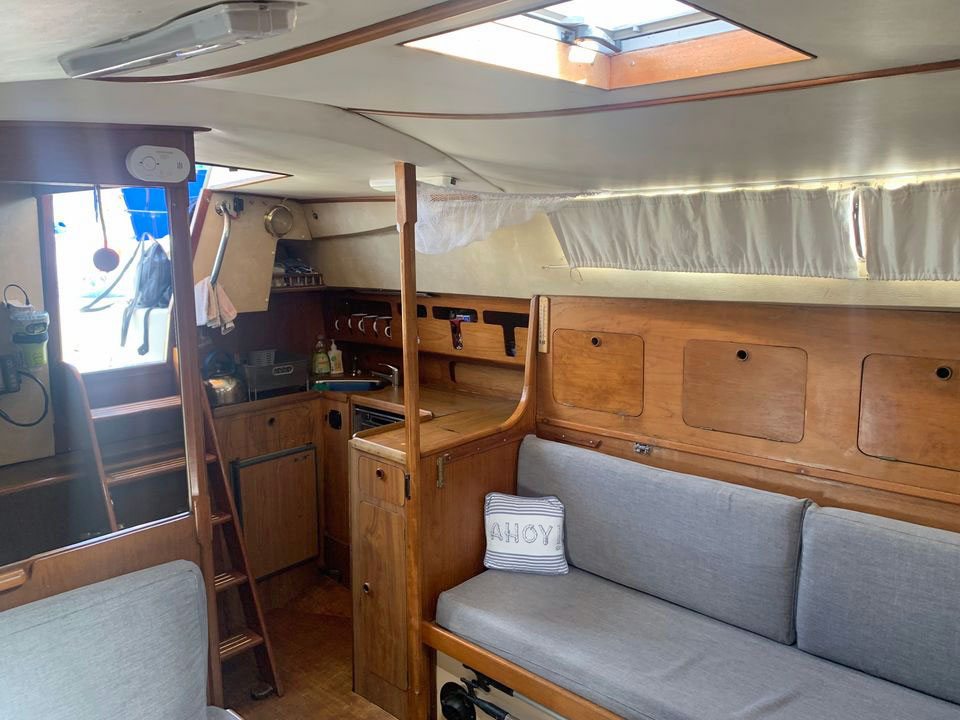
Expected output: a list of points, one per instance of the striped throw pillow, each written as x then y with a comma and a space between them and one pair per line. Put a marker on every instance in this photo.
524, 534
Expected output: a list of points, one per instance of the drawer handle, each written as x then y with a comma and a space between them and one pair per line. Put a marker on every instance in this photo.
271, 421
366, 588
380, 473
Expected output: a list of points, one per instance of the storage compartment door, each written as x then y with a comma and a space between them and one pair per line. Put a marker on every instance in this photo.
745, 389
910, 410
379, 593
278, 502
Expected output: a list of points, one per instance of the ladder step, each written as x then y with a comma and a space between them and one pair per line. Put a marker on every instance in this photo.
115, 411
227, 580
246, 640
133, 473
220, 518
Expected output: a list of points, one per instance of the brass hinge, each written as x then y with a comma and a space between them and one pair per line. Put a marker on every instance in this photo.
441, 462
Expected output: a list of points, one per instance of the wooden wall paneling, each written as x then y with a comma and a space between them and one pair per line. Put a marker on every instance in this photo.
336, 494
836, 341
486, 379
745, 389
598, 370
453, 541
823, 491
100, 559
910, 410
82, 153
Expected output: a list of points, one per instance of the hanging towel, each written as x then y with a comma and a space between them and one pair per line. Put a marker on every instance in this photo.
214, 308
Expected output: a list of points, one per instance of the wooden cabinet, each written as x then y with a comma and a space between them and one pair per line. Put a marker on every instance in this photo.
277, 496
335, 432
378, 551
275, 448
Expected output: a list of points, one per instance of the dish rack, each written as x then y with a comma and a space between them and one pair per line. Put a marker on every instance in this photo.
286, 370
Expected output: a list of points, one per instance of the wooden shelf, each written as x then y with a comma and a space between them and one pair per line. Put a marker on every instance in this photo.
304, 289
243, 641
144, 470
117, 411
226, 580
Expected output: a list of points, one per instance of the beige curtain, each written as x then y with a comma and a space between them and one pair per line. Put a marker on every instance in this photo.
784, 231
912, 232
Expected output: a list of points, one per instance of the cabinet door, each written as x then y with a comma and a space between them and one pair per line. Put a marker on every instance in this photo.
278, 501
379, 593
335, 425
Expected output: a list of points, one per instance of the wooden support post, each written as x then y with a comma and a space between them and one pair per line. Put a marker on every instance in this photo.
418, 697
181, 257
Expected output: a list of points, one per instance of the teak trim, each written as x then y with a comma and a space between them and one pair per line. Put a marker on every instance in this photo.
940, 66
561, 700
418, 696
769, 463
359, 36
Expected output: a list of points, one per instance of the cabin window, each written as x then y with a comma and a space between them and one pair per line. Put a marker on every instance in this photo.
613, 44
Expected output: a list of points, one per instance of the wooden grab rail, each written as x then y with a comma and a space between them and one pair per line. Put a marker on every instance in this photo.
13, 579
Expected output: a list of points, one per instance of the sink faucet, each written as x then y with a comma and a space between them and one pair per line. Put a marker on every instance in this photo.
393, 376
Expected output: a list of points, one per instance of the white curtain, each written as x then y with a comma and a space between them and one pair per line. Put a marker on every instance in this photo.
783, 231
448, 219
912, 232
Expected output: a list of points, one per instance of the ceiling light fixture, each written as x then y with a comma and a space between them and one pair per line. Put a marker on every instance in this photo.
214, 28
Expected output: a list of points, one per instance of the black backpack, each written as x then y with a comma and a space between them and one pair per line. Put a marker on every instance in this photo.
153, 287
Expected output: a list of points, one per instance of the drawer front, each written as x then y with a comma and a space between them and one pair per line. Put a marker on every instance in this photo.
381, 481
268, 431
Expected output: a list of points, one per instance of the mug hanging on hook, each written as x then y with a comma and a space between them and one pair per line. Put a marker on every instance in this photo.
106, 259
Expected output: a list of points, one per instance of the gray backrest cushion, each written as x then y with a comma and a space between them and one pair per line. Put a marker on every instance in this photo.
726, 551
882, 596
134, 646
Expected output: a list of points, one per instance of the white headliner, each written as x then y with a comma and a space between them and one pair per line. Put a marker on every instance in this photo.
903, 124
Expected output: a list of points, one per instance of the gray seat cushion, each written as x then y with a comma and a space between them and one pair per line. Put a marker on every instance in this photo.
134, 646
882, 596
726, 551
646, 659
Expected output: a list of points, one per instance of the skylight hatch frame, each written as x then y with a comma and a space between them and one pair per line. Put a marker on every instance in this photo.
695, 44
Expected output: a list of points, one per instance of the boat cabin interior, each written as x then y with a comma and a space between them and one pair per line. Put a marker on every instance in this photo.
469, 359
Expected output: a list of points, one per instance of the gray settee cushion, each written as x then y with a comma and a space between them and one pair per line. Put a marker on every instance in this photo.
726, 551
882, 596
131, 647
646, 659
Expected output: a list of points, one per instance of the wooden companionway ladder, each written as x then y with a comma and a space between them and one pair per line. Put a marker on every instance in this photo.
140, 459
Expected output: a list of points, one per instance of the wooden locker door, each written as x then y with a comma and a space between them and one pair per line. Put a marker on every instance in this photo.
278, 502
380, 594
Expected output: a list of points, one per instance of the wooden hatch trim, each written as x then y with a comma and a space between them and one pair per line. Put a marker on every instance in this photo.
806, 84
359, 36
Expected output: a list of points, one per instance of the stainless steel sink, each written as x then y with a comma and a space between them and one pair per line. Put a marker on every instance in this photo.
348, 384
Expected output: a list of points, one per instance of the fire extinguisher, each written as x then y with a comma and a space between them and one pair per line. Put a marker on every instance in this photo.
29, 331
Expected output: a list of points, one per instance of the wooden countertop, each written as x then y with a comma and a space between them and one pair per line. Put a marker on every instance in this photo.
447, 417
484, 415
433, 402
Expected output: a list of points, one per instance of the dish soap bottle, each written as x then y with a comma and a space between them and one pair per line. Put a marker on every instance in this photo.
321, 361
336, 359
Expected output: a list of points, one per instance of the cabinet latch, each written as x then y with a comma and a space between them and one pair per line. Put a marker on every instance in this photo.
406, 485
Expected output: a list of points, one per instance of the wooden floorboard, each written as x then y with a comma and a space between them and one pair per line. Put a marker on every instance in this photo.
313, 640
